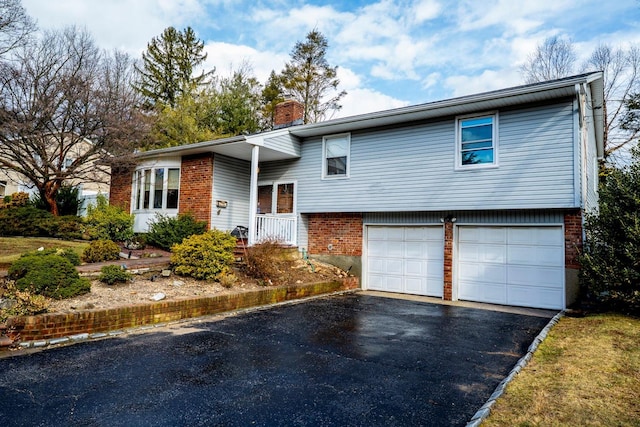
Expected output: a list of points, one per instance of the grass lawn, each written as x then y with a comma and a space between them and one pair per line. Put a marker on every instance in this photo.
586, 373
12, 247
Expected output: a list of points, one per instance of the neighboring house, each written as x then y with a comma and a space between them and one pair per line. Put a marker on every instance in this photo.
478, 198
96, 181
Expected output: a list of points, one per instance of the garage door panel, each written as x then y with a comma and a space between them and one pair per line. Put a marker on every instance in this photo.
416, 285
482, 272
486, 292
532, 255
415, 267
414, 249
407, 259
548, 277
549, 236
527, 262
523, 295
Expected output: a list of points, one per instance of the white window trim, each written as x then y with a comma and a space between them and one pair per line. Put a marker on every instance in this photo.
324, 156
458, 157
139, 189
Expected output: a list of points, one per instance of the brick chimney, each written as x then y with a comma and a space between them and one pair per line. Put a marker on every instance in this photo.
288, 113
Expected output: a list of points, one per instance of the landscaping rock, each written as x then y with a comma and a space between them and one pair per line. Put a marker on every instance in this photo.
158, 297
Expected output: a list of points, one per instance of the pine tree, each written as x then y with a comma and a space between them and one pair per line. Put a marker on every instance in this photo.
168, 66
310, 79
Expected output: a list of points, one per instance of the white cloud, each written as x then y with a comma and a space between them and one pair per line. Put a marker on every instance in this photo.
226, 57
487, 81
426, 10
363, 100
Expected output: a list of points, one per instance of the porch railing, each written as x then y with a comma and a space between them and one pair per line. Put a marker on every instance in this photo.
276, 227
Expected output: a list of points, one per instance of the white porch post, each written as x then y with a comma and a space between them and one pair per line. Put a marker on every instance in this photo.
253, 194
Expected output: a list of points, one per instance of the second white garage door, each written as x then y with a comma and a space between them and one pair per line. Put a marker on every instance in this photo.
405, 259
511, 265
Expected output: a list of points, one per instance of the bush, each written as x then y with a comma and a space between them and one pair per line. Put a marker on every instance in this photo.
269, 262
24, 303
207, 256
101, 250
610, 267
16, 200
25, 221
111, 274
166, 231
67, 253
108, 222
50, 275
29, 221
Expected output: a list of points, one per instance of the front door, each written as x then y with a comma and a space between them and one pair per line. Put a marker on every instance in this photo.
277, 198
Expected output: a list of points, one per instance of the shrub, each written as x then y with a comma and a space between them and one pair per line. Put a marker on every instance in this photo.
207, 256
16, 200
25, 221
67, 253
111, 274
166, 231
108, 222
50, 275
24, 302
68, 227
101, 250
269, 262
610, 267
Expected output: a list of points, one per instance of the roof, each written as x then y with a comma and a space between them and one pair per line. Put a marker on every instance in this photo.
519, 95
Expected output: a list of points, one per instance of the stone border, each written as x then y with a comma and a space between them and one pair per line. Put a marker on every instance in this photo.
59, 328
485, 409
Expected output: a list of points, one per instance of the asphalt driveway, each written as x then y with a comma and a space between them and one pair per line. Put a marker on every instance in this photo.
344, 360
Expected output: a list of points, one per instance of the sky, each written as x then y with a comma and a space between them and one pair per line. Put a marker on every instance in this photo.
389, 53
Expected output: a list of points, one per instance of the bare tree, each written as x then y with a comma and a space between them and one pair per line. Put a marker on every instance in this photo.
15, 25
621, 68
65, 109
553, 59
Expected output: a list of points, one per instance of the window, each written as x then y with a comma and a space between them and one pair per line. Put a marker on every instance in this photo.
157, 188
336, 156
477, 141
3, 188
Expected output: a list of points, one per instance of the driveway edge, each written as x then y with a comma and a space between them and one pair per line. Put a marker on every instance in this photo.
485, 409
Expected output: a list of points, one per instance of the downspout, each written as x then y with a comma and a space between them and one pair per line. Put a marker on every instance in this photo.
253, 194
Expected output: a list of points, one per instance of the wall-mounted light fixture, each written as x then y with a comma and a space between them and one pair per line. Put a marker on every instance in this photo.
221, 203
449, 218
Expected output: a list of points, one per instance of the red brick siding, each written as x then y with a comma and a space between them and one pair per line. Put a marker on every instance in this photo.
56, 325
287, 112
120, 188
572, 239
448, 261
341, 230
196, 186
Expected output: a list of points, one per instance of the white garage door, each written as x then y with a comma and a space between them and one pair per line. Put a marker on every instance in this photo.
405, 259
521, 266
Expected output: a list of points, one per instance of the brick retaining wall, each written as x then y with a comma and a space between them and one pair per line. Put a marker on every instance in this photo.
56, 325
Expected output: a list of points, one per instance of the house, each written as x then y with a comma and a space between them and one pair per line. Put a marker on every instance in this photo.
477, 198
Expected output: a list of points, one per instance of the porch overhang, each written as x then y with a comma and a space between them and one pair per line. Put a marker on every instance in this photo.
275, 145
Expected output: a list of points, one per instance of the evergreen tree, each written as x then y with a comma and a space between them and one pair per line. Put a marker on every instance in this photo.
610, 274
168, 66
310, 79
271, 96
238, 104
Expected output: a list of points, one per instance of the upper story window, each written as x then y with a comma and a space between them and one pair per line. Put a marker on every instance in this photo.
3, 188
156, 188
477, 141
335, 160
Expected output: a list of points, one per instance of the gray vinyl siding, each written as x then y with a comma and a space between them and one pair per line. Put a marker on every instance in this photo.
303, 231
284, 143
412, 168
231, 182
463, 217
